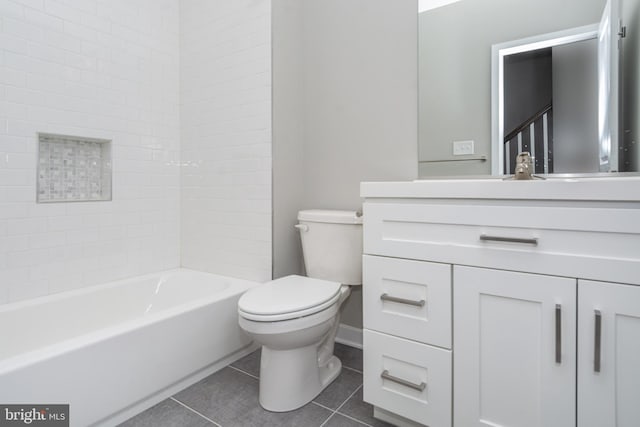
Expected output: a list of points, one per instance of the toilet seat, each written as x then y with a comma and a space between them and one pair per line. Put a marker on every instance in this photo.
288, 298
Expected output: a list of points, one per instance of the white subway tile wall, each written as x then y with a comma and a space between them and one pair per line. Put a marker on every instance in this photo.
225, 73
106, 69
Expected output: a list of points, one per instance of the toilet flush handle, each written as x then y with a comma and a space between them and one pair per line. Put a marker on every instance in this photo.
302, 227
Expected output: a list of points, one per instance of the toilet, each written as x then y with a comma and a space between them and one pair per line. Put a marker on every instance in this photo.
296, 318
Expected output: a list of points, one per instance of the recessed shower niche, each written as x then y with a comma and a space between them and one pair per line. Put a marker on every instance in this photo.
73, 168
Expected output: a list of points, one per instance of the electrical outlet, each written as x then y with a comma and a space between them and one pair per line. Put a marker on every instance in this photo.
462, 148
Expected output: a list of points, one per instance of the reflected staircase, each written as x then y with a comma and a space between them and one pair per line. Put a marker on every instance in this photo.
534, 135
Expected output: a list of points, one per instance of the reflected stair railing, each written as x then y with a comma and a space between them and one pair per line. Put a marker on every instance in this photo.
543, 163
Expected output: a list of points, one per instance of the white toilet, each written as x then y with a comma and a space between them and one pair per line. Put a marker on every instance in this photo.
296, 318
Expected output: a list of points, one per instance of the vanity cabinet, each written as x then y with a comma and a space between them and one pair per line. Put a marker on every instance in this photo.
493, 303
515, 348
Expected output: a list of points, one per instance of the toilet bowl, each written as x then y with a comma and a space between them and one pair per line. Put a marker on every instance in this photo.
296, 318
297, 361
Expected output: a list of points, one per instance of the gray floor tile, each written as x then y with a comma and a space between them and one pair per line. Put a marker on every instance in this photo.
338, 420
250, 363
230, 398
167, 414
350, 357
339, 390
360, 410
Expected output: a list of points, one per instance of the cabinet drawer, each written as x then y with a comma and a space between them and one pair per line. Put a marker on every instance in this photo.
410, 299
572, 241
407, 378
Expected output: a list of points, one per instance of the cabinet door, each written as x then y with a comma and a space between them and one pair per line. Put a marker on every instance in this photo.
514, 349
608, 388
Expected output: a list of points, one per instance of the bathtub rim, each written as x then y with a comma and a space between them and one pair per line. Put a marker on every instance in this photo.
27, 358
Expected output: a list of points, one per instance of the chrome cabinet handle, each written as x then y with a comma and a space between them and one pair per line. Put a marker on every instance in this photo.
420, 387
598, 342
386, 297
531, 241
558, 333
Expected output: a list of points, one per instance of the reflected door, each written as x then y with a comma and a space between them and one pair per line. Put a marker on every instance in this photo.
609, 34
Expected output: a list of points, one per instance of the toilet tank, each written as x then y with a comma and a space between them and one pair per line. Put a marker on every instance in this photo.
332, 245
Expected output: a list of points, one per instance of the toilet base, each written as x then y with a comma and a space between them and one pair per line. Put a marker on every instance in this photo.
290, 379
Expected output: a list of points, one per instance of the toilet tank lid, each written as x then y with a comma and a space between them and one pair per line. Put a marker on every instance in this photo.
330, 216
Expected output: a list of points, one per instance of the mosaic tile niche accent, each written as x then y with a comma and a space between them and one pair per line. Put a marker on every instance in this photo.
73, 168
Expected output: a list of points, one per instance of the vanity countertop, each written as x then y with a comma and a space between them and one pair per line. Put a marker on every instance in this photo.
610, 188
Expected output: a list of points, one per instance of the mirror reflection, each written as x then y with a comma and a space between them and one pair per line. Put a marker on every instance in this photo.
545, 102
548, 89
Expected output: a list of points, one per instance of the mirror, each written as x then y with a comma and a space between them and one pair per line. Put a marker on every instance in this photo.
544, 100
457, 129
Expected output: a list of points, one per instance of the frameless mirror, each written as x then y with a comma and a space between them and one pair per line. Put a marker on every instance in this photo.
527, 72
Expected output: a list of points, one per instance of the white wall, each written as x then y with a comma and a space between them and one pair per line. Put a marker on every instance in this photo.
346, 109
96, 68
360, 88
288, 150
225, 88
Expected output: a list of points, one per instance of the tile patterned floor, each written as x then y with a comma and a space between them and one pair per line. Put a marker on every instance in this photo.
229, 398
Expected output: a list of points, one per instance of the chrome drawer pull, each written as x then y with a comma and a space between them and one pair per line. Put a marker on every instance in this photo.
486, 238
385, 297
597, 351
558, 333
420, 387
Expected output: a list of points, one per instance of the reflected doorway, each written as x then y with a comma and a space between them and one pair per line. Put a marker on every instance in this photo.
550, 108
545, 101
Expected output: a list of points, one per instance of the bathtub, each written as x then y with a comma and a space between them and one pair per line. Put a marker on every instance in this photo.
111, 351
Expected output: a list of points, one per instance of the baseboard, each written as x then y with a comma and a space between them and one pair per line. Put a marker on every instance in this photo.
349, 335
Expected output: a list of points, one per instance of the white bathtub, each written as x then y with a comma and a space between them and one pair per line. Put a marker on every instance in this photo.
113, 350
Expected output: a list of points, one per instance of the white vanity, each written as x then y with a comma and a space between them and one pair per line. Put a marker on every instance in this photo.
503, 303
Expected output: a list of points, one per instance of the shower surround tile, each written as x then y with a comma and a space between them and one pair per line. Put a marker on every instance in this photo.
225, 137
111, 72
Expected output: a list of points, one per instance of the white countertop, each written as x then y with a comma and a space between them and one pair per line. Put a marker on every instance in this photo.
610, 188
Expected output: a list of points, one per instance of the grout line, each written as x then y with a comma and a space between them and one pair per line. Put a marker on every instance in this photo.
322, 406
343, 403
346, 416
351, 416
350, 396
194, 411
354, 419
244, 372
328, 418
352, 369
